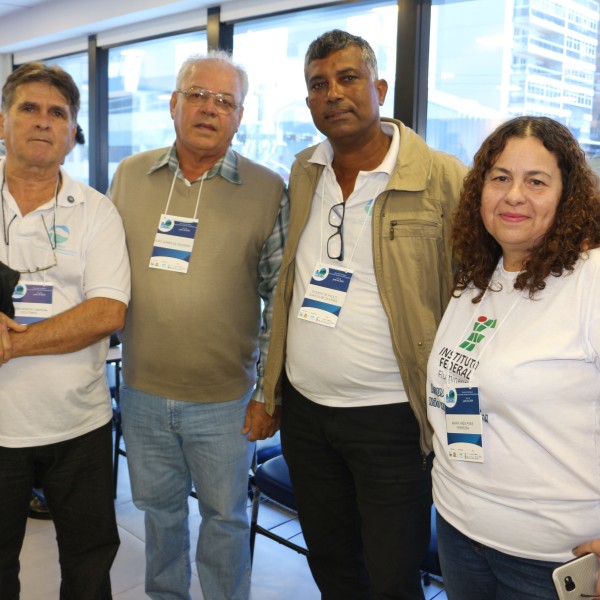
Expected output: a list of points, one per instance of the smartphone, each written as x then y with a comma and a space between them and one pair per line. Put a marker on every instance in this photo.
577, 578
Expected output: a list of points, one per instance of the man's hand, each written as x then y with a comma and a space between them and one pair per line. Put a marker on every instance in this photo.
258, 423
74, 329
591, 546
6, 325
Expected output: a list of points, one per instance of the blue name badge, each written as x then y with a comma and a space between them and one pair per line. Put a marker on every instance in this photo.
464, 424
173, 243
33, 302
325, 295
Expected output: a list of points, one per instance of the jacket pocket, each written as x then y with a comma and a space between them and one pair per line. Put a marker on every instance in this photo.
420, 228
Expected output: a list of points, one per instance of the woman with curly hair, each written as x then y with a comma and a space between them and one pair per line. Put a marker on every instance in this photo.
514, 374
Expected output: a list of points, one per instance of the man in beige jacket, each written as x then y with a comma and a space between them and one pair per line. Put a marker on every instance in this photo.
365, 279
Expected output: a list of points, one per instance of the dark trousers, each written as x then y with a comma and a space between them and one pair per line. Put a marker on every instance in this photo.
76, 476
363, 489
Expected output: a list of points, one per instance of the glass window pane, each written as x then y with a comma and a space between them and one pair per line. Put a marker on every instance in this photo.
491, 60
77, 161
277, 123
141, 79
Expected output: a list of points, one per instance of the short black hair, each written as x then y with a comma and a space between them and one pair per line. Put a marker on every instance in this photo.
336, 39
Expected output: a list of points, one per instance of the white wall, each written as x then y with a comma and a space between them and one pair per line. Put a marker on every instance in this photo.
59, 27
59, 20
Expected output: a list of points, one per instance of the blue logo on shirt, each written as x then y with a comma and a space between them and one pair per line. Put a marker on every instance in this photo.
59, 234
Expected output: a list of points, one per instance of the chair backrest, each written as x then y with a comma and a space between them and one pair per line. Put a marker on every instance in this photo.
272, 478
266, 449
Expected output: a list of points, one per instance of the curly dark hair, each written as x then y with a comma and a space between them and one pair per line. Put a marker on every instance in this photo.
576, 225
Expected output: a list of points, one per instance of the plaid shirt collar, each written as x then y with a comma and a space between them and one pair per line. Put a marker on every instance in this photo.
226, 167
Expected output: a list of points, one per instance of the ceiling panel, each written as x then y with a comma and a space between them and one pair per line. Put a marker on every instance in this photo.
11, 6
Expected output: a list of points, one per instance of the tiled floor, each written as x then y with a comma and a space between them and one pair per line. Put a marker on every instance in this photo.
290, 580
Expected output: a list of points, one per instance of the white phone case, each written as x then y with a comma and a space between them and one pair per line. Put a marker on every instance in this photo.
577, 577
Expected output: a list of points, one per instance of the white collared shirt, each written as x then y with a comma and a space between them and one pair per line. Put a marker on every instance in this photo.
352, 364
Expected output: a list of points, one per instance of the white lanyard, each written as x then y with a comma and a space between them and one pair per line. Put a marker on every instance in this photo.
51, 238
469, 326
463, 415
197, 199
174, 241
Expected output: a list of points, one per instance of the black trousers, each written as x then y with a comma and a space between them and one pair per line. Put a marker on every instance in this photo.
76, 476
363, 489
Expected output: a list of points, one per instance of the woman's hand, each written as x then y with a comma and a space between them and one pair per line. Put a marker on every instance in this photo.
591, 546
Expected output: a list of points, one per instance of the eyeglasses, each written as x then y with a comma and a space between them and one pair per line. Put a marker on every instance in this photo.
51, 239
38, 269
197, 96
335, 243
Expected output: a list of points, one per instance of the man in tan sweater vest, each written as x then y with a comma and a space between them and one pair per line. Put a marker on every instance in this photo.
205, 230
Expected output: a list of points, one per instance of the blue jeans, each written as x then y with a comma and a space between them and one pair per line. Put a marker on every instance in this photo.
473, 571
76, 476
171, 444
363, 490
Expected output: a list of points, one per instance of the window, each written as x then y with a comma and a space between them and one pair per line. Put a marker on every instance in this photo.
77, 162
491, 60
141, 80
277, 123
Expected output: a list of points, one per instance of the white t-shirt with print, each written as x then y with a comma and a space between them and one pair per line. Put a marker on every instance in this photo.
537, 493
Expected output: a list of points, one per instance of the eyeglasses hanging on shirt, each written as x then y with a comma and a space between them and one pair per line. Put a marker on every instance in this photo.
335, 242
51, 237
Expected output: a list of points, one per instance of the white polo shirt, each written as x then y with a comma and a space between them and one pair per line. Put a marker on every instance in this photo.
52, 398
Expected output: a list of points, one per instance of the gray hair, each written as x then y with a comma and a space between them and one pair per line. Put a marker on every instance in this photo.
336, 39
218, 57
36, 71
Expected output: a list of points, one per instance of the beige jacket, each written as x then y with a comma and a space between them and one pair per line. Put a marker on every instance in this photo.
411, 254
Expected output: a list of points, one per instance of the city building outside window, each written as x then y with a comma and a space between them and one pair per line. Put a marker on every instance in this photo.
491, 60
277, 123
77, 161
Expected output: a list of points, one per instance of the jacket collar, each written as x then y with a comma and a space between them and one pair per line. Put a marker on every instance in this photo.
413, 168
